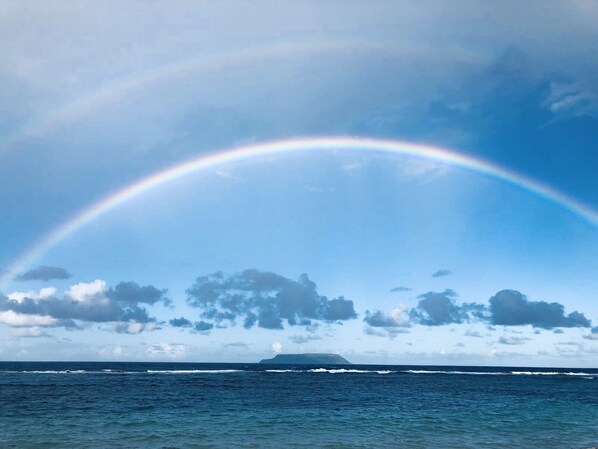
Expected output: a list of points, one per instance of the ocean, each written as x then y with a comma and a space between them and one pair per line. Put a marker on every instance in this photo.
202, 405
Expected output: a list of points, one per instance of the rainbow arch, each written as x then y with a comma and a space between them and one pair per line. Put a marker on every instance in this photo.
288, 146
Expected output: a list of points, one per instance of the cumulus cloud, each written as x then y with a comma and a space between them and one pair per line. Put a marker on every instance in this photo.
14, 319
202, 326
438, 308
441, 273
180, 322
511, 308
198, 326
396, 318
46, 292
44, 273
277, 347
400, 289
266, 300
132, 293
91, 302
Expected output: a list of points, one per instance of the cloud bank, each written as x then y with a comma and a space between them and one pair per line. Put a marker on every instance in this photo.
511, 308
84, 303
266, 300
505, 308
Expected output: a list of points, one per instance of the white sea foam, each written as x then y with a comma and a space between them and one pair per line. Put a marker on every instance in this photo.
499, 373
548, 373
473, 373
345, 371
193, 371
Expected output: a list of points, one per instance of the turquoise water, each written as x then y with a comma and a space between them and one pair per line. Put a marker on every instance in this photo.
137, 405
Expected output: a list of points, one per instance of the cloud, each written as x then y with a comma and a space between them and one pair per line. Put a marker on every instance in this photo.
423, 169
441, 273
91, 302
472, 333
235, 344
13, 319
438, 308
29, 332
300, 339
132, 293
44, 273
352, 167
180, 322
571, 100
511, 308
400, 289
265, 299
133, 328
202, 326
593, 335
512, 340
198, 326
389, 332
277, 347
46, 292
506, 308
397, 318
167, 350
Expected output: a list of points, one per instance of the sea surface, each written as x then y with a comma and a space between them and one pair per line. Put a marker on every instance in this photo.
176, 405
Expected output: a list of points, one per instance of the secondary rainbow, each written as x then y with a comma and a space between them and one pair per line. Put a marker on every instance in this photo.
281, 147
113, 93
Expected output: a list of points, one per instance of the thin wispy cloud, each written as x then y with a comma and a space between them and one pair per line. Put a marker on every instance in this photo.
44, 273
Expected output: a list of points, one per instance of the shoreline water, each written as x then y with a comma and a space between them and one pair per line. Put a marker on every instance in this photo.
186, 405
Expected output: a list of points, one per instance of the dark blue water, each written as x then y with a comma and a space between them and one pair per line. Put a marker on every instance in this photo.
159, 405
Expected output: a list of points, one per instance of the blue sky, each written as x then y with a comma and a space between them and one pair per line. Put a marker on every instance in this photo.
382, 258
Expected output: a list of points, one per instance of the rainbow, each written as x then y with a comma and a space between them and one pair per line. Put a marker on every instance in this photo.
283, 147
125, 87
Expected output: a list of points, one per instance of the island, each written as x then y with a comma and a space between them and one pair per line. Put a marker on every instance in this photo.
307, 359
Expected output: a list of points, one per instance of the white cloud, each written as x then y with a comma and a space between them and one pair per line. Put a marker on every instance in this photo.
28, 332
85, 291
134, 328
44, 293
168, 350
277, 347
14, 319
111, 351
571, 99
351, 167
399, 315
424, 169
